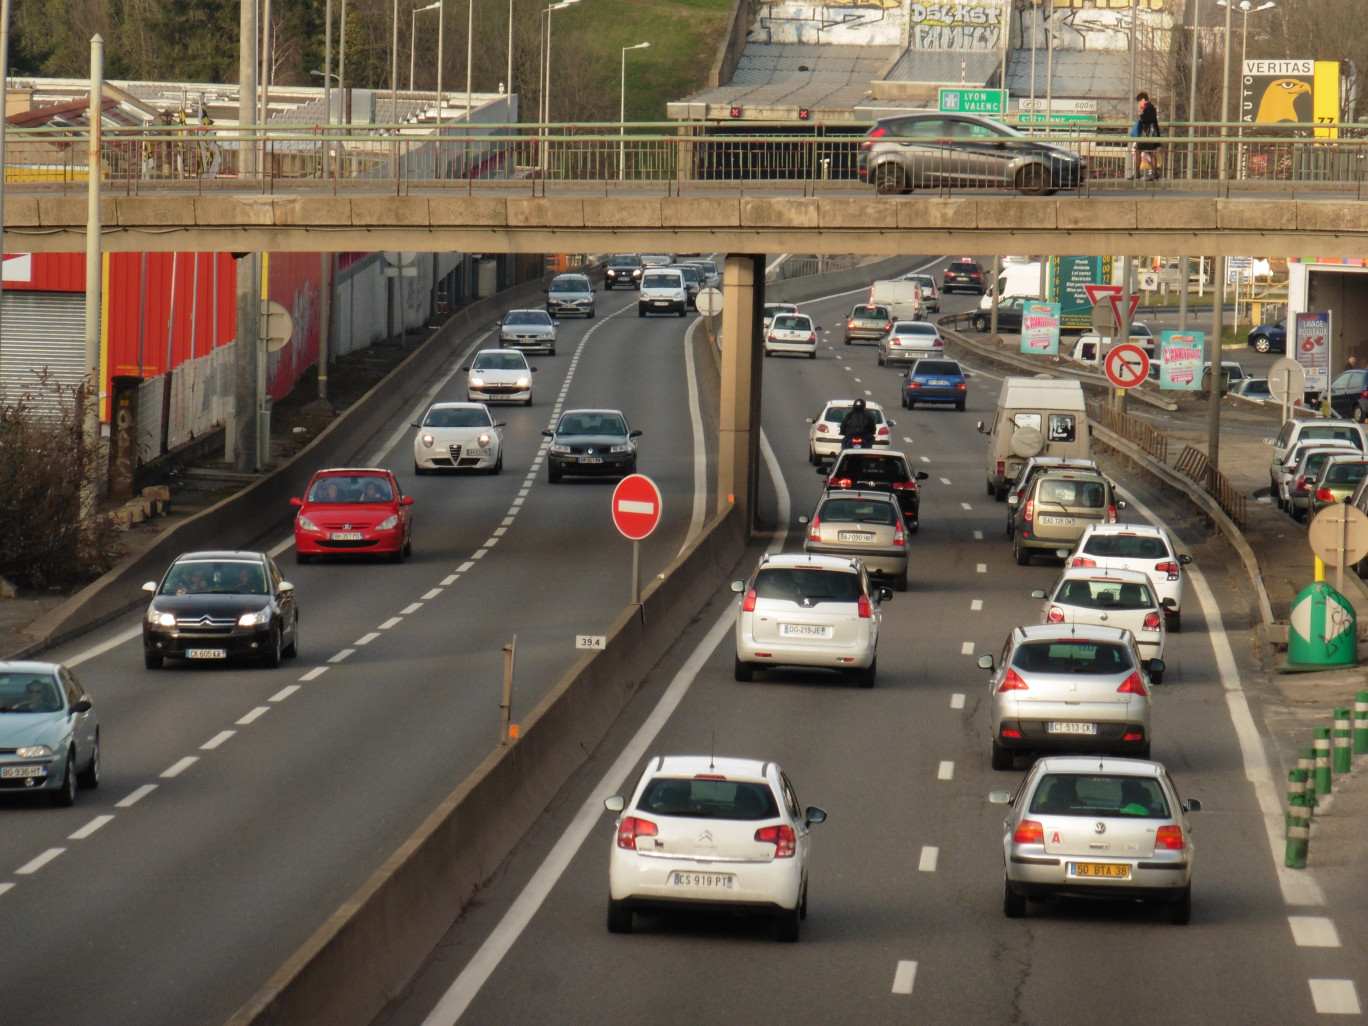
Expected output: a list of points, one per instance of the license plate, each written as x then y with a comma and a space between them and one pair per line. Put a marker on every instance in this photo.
708, 881
345, 536
591, 459
1072, 728
855, 536
804, 630
938, 381
660, 302
1102, 869
1058, 521
206, 653
478, 452
19, 772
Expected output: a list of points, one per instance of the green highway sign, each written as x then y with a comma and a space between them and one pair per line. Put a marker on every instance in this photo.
1037, 118
973, 101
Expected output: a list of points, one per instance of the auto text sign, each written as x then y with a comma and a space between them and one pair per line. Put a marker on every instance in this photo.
972, 101
636, 506
1040, 328
1180, 360
1126, 365
1313, 349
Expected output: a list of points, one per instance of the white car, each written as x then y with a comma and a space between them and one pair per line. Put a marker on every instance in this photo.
824, 437
1300, 430
712, 834
1106, 548
910, 340
1085, 348
499, 375
663, 290
809, 610
792, 333
1108, 598
458, 436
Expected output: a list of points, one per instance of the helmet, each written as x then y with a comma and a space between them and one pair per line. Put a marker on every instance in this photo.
859, 404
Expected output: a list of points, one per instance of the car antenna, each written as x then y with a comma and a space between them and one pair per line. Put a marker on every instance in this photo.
712, 752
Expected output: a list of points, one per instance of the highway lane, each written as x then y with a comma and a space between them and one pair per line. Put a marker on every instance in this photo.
248, 804
906, 921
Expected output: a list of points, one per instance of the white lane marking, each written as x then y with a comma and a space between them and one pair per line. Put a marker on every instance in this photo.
284, 693
1299, 886
447, 582
135, 796
965, 506
957, 701
7, 886
976, 605
967, 648
478, 554
507, 521
1314, 931
1334, 997
491, 541
90, 828
465, 566
216, 740
946, 770
178, 767
499, 532
945, 480
459, 995
429, 596
978, 536
105, 646
393, 621
410, 609
341, 655
33, 865
924, 459
904, 977
366, 639
254, 715
315, 673
981, 568
929, 854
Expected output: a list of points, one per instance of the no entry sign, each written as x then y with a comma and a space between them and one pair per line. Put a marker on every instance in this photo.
636, 506
1127, 365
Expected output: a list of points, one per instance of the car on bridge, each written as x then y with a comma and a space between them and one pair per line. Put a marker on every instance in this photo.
528, 330
49, 732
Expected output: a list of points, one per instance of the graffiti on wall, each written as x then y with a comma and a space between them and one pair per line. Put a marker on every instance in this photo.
1090, 25
956, 26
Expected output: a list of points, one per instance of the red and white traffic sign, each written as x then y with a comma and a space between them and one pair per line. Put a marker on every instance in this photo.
636, 506
1127, 365
1113, 294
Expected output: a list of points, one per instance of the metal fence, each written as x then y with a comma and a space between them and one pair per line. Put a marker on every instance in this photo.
1192, 463
1144, 435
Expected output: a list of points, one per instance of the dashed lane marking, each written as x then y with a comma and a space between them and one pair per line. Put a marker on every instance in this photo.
1314, 931
929, 854
178, 767
967, 648
216, 740
1334, 997
341, 655
35, 864
981, 568
976, 605
366, 639
957, 701
135, 796
946, 770
904, 977
285, 692
253, 715
315, 673
90, 828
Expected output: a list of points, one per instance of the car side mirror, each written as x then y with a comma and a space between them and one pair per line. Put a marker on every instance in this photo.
922, 475
1192, 805
635, 433
615, 804
1039, 593
501, 423
885, 594
1156, 667
1014, 499
812, 814
804, 519
738, 586
465, 367
285, 587
1062, 553
1185, 559
532, 369
985, 662
84, 705
296, 501
1169, 603
407, 500
150, 586
548, 433
999, 797
1121, 504
822, 470
809, 420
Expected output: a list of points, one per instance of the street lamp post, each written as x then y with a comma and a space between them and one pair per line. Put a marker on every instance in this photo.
545, 107
622, 111
413, 35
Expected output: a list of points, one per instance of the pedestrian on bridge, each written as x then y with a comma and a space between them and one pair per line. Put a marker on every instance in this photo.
1147, 129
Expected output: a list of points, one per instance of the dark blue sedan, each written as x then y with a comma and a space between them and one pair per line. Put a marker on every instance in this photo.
935, 381
1267, 337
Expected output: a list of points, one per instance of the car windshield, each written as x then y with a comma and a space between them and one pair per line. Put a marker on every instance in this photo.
1098, 794
29, 692
708, 798
351, 488
570, 285
807, 585
592, 424
936, 368
661, 281
1063, 656
215, 577
914, 328
869, 313
1126, 546
858, 511
499, 361
1340, 434
538, 317
1105, 595
872, 468
457, 417
1082, 494
624, 261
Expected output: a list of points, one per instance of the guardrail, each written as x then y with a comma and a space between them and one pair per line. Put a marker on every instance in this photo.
1193, 463
1144, 435
670, 158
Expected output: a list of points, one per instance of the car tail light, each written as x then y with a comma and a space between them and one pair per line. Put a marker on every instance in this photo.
812, 338
748, 606
774, 338
914, 384
1111, 514
1151, 622
1012, 682
1055, 615
887, 326
1170, 568
1300, 486
899, 535
1083, 561
876, 133
1029, 831
1169, 838
1324, 495
815, 529
824, 429
865, 610
850, 324
1029, 511
881, 431
838, 482
1001, 468
904, 486
1133, 685
961, 387
782, 837
631, 828
1364, 394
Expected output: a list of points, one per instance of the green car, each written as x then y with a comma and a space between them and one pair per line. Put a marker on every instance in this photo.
1338, 477
867, 323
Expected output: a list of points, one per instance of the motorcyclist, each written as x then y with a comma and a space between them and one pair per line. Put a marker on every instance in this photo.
858, 427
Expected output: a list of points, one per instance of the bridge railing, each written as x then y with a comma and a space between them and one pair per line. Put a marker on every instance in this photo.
668, 159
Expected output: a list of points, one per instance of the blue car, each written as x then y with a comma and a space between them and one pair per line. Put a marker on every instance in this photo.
935, 381
1267, 337
49, 736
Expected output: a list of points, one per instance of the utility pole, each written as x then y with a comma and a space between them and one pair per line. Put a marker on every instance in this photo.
247, 401
94, 380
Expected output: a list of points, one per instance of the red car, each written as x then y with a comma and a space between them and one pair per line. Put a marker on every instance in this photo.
353, 511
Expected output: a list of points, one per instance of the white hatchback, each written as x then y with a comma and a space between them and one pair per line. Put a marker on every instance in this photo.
499, 375
1112, 598
793, 334
458, 436
824, 437
910, 340
1106, 548
714, 834
812, 611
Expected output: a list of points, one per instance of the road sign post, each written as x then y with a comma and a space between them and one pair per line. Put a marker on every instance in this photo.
1287, 383
636, 512
1339, 536
1127, 365
709, 304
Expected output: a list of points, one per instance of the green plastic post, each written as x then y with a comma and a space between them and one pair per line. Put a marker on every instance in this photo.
1343, 758
1361, 723
1321, 742
1298, 833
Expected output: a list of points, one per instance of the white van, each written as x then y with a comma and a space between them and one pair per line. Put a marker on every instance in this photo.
663, 291
1015, 280
1038, 416
903, 299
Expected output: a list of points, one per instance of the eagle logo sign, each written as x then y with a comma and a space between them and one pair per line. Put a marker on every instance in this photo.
1278, 103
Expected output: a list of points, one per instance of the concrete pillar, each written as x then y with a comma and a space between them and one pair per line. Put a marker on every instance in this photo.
743, 301
246, 399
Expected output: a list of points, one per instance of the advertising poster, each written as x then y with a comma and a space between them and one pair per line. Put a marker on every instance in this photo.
1180, 360
1313, 349
1040, 328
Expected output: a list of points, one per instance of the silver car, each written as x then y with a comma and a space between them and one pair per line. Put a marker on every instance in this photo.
570, 294
867, 525
1097, 828
910, 340
49, 733
1069, 688
528, 329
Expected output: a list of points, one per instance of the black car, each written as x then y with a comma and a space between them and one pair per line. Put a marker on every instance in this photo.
624, 269
1349, 394
1268, 337
693, 282
964, 275
881, 471
1010, 312
591, 443
219, 606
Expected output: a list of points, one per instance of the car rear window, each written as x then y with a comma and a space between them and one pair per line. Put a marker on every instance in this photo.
1105, 595
858, 511
1095, 794
1126, 546
1346, 473
1072, 657
1339, 433
815, 585
791, 322
940, 368
872, 468
1078, 494
869, 313
708, 798
836, 414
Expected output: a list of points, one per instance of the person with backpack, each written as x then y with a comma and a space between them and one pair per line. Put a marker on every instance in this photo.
858, 427
1147, 131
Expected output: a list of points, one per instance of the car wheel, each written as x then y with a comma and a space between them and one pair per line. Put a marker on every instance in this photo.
768, 354
914, 525
744, 672
498, 465
549, 352
847, 341
802, 903
1297, 513
152, 662
1022, 556
89, 778
900, 582
812, 355
397, 556
865, 678
908, 404
1173, 622
882, 362
292, 649
302, 557
1180, 911
590, 314
1357, 414
619, 917
1033, 180
1001, 494
1002, 758
66, 797
992, 488
889, 178
683, 312
1260, 344
980, 323
1013, 904
959, 407
786, 927
272, 657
